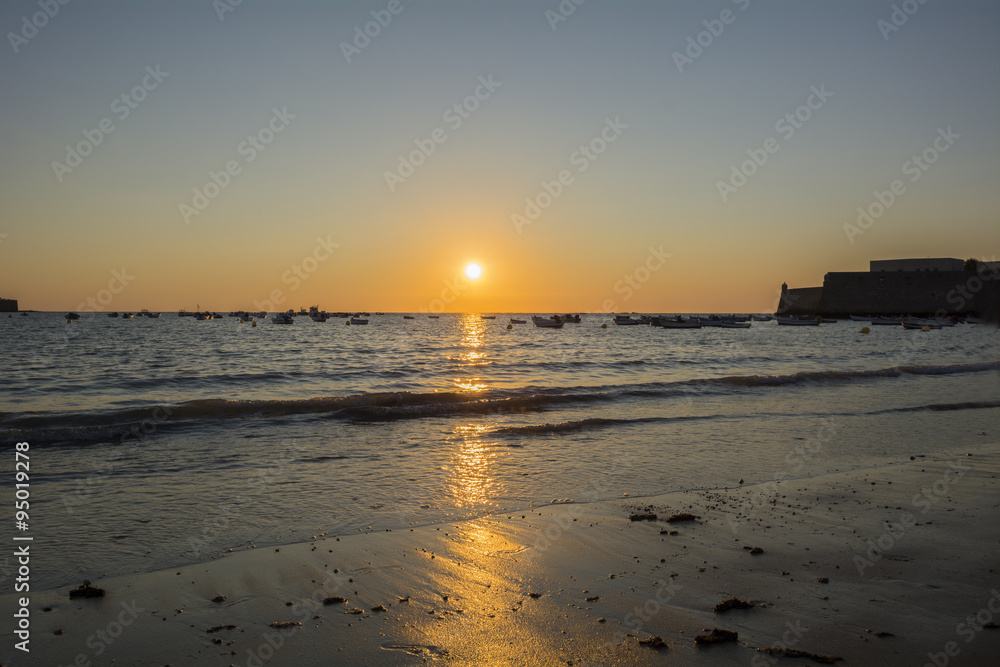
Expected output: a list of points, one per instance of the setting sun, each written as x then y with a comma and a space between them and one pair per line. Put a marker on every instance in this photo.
473, 271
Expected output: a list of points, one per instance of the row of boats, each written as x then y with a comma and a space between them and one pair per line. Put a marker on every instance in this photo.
557, 321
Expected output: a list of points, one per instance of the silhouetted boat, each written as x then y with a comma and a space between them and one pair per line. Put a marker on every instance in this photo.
797, 322
488, 317
407, 317
546, 322
72, 316
513, 321
358, 320
678, 323
283, 318
920, 324
112, 314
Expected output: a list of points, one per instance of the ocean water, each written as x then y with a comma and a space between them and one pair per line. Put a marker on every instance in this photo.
157, 443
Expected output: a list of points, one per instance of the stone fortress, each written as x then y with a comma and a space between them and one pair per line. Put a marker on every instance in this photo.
933, 287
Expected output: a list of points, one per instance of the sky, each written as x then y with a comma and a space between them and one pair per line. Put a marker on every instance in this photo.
601, 156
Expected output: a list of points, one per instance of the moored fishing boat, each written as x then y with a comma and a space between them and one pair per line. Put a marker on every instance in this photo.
626, 320
679, 323
798, 322
546, 322
920, 324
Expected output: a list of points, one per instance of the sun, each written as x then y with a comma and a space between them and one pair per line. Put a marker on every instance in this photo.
473, 271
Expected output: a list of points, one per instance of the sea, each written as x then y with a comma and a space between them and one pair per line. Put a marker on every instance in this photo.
155, 443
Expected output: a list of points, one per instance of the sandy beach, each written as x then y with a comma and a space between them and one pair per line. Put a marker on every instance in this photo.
890, 565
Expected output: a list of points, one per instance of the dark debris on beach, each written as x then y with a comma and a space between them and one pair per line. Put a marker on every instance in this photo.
732, 603
796, 653
86, 591
718, 635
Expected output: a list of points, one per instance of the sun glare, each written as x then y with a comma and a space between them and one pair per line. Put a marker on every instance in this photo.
473, 271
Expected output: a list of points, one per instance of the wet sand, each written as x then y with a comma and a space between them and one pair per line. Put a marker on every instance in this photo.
877, 566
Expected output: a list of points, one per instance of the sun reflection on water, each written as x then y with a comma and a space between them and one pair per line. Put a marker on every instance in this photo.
473, 354
471, 481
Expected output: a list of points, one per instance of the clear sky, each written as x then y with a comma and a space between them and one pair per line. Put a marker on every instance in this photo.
355, 183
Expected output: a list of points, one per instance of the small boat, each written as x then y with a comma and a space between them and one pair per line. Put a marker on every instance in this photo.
729, 324
72, 316
407, 317
358, 320
283, 318
711, 321
112, 314
570, 318
798, 322
761, 318
546, 322
513, 321
488, 317
154, 316
433, 317
679, 323
858, 318
829, 320
887, 321
626, 320
918, 323
972, 319
126, 316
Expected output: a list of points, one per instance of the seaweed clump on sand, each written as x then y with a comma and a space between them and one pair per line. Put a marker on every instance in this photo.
86, 591
334, 599
681, 516
639, 516
796, 653
732, 603
228, 626
653, 642
717, 636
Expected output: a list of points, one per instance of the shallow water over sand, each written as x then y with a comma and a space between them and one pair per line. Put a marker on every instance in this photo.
162, 442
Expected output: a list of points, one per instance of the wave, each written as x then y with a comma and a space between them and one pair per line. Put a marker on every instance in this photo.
590, 424
945, 407
138, 422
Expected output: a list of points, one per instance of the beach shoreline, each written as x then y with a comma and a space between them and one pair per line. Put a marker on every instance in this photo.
906, 549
